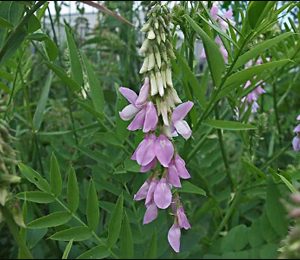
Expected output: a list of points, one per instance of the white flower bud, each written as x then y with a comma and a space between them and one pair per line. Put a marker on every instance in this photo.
170, 101
175, 96
163, 36
151, 62
164, 113
158, 58
169, 77
154, 89
164, 55
160, 84
163, 76
146, 27
156, 25
151, 35
144, 46
158, 106
158, 39
144, 67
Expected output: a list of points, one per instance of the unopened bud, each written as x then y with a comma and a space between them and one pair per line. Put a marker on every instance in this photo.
154, 89
146, 27
144, 67
169, 77
151, 35
160, 84
151, 62
158, 58
144, 46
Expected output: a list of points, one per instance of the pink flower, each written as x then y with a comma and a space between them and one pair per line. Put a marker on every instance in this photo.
252, 97
296, 143
297, 129
298, 117
143, 111
177, 170
152, 148
183, 222
179, 125
174, 235
162, 194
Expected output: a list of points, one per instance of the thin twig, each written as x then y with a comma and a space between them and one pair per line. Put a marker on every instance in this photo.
103, 9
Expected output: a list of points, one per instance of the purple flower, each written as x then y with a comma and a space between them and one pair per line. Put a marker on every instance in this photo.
177, 170
174, 235
162, 194
298, 117
144, 113
222, 48
296, 143
179, 125
150, 148
182, 219
252, 97
151, 213
142, 192
297, 129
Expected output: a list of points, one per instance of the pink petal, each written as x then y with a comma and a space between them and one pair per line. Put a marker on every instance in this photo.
151, 118
296, 144
183, 222
255, 107
149, 166
173, 177
128, 112
224, 53
181, 111
297, 129
162, 194
228, 14
142, 192
164, 150
248, 83
144, 93
150, 214
218, 40
214, 11
181, 169
129, 94
183, 129
146, 153
298, 117
259, 90
138, 121
151, 191
174, 237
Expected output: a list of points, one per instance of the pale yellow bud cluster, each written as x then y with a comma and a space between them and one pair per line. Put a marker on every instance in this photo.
158, 52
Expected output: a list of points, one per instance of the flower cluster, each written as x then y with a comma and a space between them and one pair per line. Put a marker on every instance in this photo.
227, 17
296, 139
159, 113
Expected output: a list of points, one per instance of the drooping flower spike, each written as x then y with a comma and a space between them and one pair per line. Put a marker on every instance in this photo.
154, 111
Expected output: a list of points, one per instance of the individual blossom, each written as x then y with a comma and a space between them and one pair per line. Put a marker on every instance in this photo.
253, 96
296, 139
177, 171
143, 111
180, 221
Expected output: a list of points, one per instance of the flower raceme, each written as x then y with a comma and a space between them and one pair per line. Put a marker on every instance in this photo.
296, 139
159, 112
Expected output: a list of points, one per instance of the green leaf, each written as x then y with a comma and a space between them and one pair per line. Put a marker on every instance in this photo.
67, 250
188, 187
34, 178
255, 12
39, 112
96, 89
238, 78
229, 125
72, 191
275, 211
92, 207
287, 183
33, 24
151, 252
63, 76
74, 233
97, 252
214, 57
126, 241
259, 48
55, 176
36, 196
5, 24
76, 69
52, 220
114, 226
51, 49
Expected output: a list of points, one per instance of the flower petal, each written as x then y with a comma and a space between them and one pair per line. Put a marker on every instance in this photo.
214, 11
297, 129
298, 117
164, 150
152, 187
181, 169
174, 237
151, 118
296, 144
162, 194
183, 222
183, 128
150, 214
173, 177
128, 112
146, 153
129, 94
142, 192
138, 121
181, 111
144, 93
149, 166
